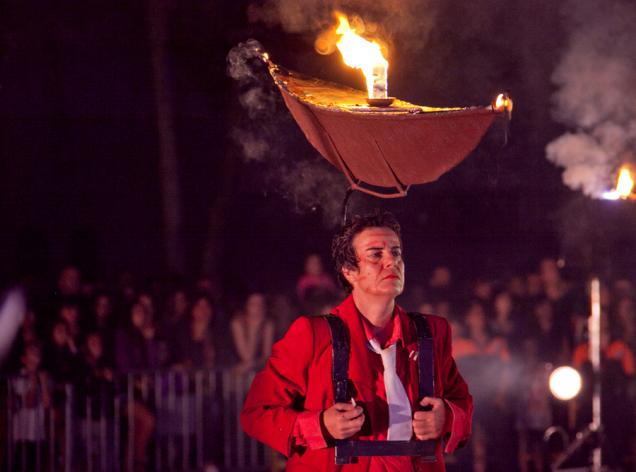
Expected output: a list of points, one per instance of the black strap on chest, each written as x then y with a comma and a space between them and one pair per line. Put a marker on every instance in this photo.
347, 450
340, 358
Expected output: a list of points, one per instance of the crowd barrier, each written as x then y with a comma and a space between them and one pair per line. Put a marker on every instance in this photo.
168, 420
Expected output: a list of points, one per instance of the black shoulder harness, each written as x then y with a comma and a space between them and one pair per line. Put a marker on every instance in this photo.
347, 450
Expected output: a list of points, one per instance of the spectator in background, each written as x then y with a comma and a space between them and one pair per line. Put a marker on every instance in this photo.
252, 333
284, 313
31, 392
95, 398
505, 320
103, 321
625, 318
196, 337
177, 310
69, 282
482, 292
440, 284
137, 348
137, 344
516, 286
483, 360
534, 287
315, 288
70, 314
63, 362
617, 374
62, 357
532, 406
548, 335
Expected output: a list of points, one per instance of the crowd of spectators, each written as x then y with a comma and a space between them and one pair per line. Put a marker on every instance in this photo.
507, 332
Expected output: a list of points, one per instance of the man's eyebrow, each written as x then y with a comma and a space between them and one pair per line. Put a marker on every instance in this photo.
374, 248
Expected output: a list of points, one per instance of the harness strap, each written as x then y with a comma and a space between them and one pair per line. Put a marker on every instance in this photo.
347, 450
425, 357
340, 358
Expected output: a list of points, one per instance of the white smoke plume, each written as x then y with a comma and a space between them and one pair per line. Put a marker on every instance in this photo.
406, 21
269, 138
596, 95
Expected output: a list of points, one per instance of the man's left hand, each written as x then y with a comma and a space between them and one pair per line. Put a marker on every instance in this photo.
430, 424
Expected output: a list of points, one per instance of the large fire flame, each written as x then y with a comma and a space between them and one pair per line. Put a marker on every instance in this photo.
365, 55
624, 186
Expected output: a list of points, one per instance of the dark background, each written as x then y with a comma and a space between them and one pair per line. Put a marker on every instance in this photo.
79, 167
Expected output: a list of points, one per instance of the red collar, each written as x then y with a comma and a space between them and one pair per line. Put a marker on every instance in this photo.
392, 332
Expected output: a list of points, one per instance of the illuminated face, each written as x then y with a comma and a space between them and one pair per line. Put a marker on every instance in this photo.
313, 265
202, 311
138, 315
102, 307
380, 270
255, 306
60, 334
94, 346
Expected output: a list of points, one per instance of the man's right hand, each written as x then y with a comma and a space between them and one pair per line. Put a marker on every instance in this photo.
343, 420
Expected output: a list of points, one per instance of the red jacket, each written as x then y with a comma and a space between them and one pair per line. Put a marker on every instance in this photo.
297, 378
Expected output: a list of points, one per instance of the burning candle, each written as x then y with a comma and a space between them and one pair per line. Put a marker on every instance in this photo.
365, 55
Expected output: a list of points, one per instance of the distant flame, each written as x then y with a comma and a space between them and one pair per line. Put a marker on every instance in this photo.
624, 186
502, 103
359, 53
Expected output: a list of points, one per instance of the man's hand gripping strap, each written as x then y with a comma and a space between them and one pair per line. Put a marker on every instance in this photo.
347, 450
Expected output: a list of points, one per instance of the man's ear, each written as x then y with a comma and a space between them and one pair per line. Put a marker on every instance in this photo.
350, 273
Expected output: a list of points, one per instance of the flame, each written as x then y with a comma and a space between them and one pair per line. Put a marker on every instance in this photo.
502, 103
365, 55
624, 186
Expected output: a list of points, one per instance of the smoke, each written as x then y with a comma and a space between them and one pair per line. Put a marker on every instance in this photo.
408, 22
270, 140
596, 95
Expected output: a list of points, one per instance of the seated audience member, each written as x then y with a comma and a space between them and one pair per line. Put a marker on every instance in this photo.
252, 333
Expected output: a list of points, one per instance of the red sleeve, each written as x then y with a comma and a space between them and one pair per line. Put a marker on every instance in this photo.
271, 413
307, 431
455, 394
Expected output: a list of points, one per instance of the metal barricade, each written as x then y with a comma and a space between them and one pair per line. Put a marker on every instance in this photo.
167, 420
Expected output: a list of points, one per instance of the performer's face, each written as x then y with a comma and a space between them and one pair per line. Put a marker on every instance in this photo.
380, 265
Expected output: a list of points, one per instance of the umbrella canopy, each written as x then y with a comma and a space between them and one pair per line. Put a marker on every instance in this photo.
381, 150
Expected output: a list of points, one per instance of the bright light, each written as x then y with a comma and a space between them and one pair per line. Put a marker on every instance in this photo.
624, 186
565, 383
502, 103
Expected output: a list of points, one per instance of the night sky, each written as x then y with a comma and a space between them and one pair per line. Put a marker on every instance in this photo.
79, 163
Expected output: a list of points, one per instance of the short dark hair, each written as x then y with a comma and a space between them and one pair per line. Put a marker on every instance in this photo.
342, 251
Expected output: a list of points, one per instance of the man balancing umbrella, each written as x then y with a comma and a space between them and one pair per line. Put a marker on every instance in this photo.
369, 387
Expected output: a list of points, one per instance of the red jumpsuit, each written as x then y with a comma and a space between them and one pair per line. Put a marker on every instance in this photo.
296, 384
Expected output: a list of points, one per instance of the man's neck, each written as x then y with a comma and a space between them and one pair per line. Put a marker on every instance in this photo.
377, 310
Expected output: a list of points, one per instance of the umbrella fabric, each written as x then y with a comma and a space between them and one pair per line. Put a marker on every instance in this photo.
381, 150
